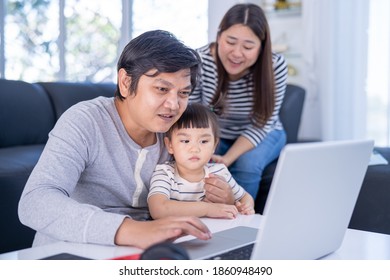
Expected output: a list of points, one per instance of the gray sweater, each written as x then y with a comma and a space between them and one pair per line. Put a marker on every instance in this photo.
90, 176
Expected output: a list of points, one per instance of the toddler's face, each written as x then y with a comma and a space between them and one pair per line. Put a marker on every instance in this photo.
191, 147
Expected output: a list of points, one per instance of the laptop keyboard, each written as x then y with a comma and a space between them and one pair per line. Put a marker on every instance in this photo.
242, 253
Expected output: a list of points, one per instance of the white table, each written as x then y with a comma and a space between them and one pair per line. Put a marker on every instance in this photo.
357, 245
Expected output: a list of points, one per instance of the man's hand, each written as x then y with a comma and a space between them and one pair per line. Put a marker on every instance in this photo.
143, 234
217, 190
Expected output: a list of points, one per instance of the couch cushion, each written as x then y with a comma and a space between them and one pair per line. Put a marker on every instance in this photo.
65, 94
26, 114
372, 209
14, 235
19, 160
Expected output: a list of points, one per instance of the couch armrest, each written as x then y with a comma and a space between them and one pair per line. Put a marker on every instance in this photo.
291, 111
290, 116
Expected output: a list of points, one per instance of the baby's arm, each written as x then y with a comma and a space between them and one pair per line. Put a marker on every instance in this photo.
246, 205
160, 206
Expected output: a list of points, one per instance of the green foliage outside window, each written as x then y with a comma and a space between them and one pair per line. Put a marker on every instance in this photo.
32, 40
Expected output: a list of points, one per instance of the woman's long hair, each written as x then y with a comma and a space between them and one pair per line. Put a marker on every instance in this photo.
252, 16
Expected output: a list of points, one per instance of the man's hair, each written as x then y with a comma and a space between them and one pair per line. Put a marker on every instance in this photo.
196, 116
158, 50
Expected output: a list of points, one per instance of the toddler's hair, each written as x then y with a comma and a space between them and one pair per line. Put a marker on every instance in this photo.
196, 116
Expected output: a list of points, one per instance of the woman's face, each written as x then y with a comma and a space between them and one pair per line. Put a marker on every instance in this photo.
238, 49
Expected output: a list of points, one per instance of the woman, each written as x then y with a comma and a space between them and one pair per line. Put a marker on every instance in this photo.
244, 82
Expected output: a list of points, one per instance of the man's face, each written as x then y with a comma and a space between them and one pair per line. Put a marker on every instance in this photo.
158, 102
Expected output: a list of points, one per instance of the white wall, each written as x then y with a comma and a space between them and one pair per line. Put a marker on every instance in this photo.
217, 8
287, 32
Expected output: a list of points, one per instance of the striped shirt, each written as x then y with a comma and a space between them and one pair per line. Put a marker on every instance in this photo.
237, 119
167, 181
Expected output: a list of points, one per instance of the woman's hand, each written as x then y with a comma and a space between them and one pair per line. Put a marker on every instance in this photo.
218, 159
143, 234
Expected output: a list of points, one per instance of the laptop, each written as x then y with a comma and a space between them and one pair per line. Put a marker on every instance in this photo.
308, 209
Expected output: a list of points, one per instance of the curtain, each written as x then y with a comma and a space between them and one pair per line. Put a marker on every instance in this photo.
378, 82
335, 57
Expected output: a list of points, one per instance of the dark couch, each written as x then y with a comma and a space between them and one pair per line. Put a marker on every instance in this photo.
372, 209
28, 111
290, 115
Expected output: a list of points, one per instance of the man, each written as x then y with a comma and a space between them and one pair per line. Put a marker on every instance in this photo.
91, 182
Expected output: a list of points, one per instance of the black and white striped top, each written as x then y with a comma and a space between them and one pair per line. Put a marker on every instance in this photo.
167, 181
236, 119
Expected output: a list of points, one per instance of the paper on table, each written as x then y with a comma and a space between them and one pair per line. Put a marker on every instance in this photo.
377, 159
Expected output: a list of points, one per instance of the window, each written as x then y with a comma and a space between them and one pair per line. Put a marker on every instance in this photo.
92, 37
79, 40
31, 30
